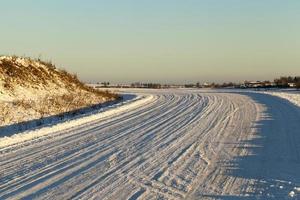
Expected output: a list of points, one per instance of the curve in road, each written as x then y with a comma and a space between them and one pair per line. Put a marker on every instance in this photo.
181, 145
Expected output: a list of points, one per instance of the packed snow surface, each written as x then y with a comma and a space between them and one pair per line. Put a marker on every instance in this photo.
175, 144
7, 141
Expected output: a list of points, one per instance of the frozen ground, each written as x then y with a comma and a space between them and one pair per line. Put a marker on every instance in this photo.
175, 144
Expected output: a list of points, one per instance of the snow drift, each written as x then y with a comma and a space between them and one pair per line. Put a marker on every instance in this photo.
292, 96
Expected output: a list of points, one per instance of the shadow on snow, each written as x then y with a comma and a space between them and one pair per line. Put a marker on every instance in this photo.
9, 130
274, 159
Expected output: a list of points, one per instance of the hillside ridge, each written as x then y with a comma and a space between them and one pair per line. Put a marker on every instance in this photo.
33, 89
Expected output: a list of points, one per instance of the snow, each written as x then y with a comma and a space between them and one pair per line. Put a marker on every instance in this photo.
42, 132
168, 144
23, 91
292, 96
29, 97
292, 194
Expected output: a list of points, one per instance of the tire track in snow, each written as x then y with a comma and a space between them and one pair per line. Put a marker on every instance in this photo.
169, 149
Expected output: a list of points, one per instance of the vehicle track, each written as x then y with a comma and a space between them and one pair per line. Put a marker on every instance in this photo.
177, 146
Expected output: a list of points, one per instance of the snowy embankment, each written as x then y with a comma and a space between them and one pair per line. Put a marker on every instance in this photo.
31, 90
102, 113
292, 96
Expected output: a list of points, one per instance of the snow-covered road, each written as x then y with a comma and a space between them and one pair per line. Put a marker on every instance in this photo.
179, 145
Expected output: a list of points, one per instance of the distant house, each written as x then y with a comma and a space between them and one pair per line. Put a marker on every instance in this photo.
292, 85
253, 84
257, 84
206, 84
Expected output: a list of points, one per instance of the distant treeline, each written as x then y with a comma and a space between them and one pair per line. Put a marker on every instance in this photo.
285, 82
148, 85
282, 82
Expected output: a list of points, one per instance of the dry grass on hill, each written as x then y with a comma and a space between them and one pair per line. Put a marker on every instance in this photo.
35, 89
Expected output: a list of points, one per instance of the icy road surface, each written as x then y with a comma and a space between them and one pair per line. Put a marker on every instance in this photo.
179, 145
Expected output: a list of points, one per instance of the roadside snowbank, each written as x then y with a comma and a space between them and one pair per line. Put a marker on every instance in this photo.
292, 96
103, 113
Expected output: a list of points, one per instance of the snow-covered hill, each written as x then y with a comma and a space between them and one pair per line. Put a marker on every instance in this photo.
32, 89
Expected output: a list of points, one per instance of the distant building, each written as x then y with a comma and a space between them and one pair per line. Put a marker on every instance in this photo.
253, 84
206, 84
257, 84
292, 85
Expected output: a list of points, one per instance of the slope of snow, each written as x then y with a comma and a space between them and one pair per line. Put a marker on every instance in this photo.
175, 144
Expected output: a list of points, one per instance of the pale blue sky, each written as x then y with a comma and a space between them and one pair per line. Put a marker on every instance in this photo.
157, 40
